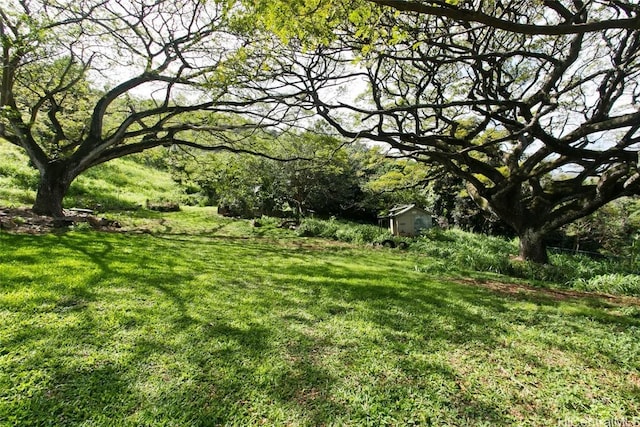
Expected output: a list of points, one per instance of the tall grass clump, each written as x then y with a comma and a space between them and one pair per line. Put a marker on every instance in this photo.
457, 249
612, 275
343, 231
614, 283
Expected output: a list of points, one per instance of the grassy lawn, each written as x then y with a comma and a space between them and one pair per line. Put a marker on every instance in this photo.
206, 321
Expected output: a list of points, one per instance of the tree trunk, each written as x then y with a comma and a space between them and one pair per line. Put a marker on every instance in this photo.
533, 247
53, 186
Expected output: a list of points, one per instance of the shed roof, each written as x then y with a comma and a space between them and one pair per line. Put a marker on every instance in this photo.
401, 209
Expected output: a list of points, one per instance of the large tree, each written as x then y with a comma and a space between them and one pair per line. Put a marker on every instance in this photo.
533, 103
88, 81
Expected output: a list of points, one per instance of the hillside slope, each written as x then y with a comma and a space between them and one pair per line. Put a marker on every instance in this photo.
121, 183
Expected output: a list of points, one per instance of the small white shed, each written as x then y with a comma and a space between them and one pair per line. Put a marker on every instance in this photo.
408, 220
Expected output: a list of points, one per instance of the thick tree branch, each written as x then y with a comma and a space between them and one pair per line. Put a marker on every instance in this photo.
466, 15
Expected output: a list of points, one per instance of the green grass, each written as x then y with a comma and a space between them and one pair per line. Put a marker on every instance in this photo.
456, 252
18, 181
207, 321
192, 319
119, 184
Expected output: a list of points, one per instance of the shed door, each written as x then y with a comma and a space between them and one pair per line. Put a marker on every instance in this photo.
420, 223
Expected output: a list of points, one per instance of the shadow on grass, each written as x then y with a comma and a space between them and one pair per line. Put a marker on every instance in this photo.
104, 201
76, 394
208, 331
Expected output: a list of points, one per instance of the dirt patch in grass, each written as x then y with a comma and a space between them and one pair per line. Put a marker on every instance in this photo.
517, 289
25, 221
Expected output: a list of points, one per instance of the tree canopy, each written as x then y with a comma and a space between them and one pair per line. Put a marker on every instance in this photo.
326, 178
317, 20
542, 125
534, 104
86, 82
